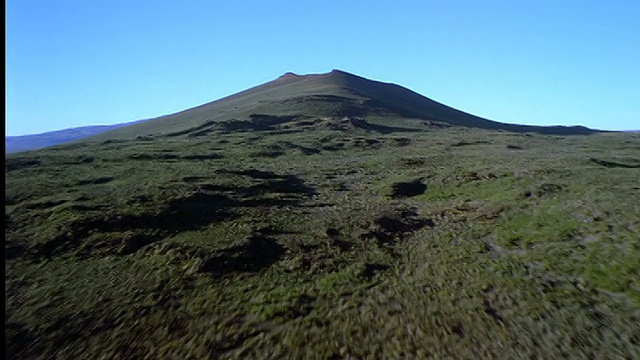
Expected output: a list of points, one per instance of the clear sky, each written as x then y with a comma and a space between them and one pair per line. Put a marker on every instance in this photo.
72, 63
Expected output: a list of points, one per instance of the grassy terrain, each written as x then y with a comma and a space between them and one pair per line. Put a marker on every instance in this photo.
325, 238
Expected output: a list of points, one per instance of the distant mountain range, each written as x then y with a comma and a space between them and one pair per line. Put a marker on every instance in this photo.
334, 94
39, 141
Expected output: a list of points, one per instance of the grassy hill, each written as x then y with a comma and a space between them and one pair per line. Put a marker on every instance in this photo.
324, 228
324, 95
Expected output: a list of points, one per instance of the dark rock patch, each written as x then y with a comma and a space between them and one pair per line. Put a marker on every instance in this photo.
190, 179
82, 159
408, 189
12, 164
305, 150
402, 141
258, 252
333, 232
435, 125
204, 132
493, 312
270, 151
89, 207
287, 184
256, 122
362, 123
387, 229
45, 204
147, 156
132, 232
195, 129
370, 270
612, 164
20, 342
203, 156
467, 143
458, 329
334, 146
96, 181
548, 189
15, 250
413, 161
366, 143
335, 240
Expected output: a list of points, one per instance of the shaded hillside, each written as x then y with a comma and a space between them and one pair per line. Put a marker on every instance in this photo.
39, 141
335, 94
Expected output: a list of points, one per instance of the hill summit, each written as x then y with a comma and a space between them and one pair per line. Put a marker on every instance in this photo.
336, 94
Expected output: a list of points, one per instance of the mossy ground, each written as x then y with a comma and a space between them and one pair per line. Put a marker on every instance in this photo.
272, 244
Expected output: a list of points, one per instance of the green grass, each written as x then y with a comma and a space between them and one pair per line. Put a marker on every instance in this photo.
118, 251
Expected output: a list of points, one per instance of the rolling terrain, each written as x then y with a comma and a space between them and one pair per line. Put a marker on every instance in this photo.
325, 216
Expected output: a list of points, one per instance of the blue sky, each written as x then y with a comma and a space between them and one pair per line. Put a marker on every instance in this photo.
72, 63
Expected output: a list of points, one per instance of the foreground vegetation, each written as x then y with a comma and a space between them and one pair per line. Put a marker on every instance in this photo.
321, 238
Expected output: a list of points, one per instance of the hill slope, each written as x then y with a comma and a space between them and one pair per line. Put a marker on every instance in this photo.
335, 94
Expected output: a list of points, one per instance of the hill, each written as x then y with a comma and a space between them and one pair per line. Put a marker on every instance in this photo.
324, 224
335, 94
324, 95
